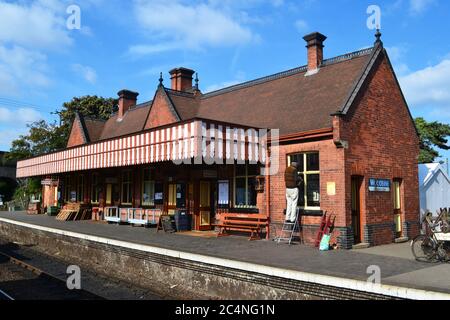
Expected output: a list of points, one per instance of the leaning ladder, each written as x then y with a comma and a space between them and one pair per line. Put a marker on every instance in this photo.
288, 231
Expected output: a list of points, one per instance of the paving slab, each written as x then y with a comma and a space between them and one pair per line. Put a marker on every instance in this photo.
396, 262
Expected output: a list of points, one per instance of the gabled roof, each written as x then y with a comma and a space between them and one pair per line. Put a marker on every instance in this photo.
92, 127
133, 121
428, 171
290, 101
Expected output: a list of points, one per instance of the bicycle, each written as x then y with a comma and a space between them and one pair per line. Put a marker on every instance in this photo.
434, 244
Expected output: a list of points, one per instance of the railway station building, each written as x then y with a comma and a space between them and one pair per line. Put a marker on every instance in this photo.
344, 120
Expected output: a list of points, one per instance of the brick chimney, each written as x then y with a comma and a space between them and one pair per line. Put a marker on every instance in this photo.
314, 43
181, 79
127, 99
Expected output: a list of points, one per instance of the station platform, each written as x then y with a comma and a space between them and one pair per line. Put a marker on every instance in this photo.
401, 275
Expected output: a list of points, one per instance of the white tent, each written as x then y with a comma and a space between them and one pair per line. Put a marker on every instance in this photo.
434, 186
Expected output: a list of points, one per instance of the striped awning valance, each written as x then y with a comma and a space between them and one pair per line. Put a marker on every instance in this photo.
196, 139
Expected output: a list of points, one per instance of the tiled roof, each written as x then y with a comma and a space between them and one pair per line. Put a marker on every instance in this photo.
93, 128
289, 100
133, 121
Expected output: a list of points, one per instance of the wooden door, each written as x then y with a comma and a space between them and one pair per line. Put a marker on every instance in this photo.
109, 194
172, 199
205, 206
397, 207
356, 209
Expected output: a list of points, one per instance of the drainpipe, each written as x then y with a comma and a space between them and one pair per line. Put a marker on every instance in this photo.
268, 192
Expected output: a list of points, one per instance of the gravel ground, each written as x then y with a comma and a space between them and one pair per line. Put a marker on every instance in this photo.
13, 278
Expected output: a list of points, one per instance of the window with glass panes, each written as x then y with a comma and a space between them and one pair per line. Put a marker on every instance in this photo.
148, 188
309, 170
95, 188
245, 186
127, 192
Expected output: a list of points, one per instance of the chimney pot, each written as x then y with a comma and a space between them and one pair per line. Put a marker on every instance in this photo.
127, 99
314, 43
181, 79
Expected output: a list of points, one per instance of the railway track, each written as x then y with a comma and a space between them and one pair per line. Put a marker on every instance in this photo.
5, 296
27, 273
21, 281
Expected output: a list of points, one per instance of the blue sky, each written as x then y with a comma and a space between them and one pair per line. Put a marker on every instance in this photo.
125, 44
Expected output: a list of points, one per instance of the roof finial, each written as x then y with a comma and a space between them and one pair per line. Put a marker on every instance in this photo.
196, 81
378, 37
161, 79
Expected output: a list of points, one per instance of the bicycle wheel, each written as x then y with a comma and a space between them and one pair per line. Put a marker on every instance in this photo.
424, 248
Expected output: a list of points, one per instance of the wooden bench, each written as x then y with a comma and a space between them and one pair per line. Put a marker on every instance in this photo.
252, 223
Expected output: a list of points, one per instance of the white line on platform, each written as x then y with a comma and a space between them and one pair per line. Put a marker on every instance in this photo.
7, 296
345, 283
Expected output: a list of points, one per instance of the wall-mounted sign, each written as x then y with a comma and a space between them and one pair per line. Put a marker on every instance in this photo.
50, 182
379, 185
331, 188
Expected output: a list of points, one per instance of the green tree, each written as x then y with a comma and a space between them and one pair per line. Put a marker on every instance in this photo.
44, 137
432, 135
88, 106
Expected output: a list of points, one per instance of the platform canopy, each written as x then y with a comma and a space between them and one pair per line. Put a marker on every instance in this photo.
196, 139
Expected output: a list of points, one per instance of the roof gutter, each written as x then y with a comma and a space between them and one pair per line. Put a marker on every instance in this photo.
312, 134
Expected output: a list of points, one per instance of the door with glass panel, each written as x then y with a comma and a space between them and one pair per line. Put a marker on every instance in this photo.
397, 207
176, 197
205, 208
109, 190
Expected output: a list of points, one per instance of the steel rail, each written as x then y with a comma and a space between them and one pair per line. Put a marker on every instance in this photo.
7, 296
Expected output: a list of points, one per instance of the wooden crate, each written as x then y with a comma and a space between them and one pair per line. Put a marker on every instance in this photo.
75, 212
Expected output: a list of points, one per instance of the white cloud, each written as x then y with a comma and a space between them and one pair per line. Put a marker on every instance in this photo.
175, 24
21, 68
19, 116
301, 25
8, 135
397, 54
428, 87
40, 24
29, 30
13, 123
88, 73
419, 6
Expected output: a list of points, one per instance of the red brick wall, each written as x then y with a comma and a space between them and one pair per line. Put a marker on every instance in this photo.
48, 196
76, 135
382, 144
331, 170
160, 114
